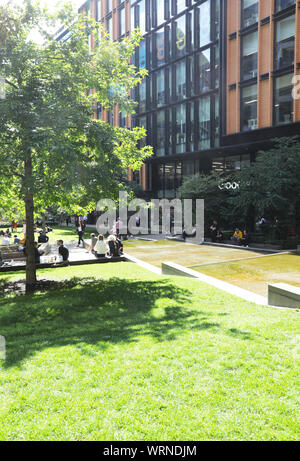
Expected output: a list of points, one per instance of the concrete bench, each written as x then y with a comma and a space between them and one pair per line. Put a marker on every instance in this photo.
283, 295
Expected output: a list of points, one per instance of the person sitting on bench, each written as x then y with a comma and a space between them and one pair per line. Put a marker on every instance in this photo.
43, 238
245, 238
94, 240
101, 247
237, 236
113, 249
119, 245
220, 236
62, 250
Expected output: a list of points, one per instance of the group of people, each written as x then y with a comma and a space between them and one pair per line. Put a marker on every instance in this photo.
6, 238
100, 247
239, 237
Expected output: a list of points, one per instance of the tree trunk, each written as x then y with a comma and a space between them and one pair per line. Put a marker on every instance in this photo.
29, 206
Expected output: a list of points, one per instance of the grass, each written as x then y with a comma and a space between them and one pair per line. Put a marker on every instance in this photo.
124, 354
255, 274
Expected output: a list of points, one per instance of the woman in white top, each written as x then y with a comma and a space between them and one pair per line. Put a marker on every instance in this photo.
6, 240
101, 247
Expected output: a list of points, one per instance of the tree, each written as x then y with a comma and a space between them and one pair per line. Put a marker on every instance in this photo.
51, 149
271, 184
211, 188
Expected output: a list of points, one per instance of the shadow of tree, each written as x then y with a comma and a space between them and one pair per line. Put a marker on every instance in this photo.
240, 334
97, 312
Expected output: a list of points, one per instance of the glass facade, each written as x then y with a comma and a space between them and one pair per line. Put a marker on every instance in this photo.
285, 42
283, 101
249, 56
283, 4
249, 108
179, 102
180, 97
249, 12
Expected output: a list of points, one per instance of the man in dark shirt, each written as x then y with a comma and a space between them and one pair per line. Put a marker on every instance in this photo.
43, 238
62, 250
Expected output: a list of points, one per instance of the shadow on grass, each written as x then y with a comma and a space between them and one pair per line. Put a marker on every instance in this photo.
96, 312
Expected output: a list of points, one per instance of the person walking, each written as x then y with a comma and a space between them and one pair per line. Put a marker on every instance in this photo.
80, 234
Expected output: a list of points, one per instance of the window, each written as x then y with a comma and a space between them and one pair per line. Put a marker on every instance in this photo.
132, 18
142, 96
203, 24
99, 111
180, 128
249, 56
192, 126
249, 12
285, 42
108, 6
122, 28
122, 119
141, 16
180, 6
283, 101
142, 122
190, 30
217, 122
109, 28
159, 12
160, 52
98, 10
249, 108
203, 71
142, 54
180, 37
169, 180
180, 76
160, 133
160, 87
282, 4
204, 123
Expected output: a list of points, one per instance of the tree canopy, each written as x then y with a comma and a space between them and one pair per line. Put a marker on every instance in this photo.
52, 149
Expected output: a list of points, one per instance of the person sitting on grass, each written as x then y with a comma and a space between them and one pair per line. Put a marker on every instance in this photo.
62, 250
237, 236
101, 247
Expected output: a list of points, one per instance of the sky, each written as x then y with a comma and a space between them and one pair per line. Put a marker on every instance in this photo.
51, 4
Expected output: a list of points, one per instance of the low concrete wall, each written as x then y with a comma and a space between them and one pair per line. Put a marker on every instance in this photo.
170, 268
283, 294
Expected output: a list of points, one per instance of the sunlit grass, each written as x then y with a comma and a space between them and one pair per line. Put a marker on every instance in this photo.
128, 355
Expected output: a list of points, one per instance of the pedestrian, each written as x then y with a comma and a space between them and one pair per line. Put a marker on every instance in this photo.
62, 250
80, 234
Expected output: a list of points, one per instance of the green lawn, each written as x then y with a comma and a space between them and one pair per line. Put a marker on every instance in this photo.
119, 353
68, 234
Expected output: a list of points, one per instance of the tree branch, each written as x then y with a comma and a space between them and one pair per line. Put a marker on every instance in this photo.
11, 84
